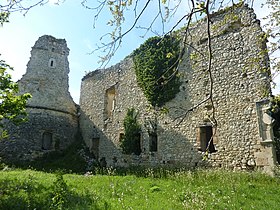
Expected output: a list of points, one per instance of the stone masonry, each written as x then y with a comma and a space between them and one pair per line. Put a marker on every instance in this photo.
241, 91
52, 114
242, 139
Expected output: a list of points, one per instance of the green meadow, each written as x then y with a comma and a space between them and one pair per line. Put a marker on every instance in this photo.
149, 189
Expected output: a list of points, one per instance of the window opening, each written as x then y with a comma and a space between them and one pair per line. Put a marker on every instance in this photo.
121, 136
52, 63
47, 141
110, 99
205, 139
153, 142
137, 142
95, 147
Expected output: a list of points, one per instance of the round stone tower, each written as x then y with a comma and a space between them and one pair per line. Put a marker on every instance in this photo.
52, 114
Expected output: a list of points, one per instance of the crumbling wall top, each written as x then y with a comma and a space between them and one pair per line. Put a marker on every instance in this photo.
47, 42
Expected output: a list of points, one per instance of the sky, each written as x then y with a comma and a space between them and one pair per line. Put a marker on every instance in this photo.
72, 22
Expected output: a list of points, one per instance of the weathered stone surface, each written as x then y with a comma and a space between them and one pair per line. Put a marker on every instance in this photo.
243, 137
47, 75
237, 85
52, 114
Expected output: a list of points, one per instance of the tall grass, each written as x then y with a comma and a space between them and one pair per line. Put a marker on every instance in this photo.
153, 189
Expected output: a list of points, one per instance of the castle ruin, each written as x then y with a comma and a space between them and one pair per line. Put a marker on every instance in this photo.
241, 89
52, 114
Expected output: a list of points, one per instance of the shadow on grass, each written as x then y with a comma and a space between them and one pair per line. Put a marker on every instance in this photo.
74, 159
31, 194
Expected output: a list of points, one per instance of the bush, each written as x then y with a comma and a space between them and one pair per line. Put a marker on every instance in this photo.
130, 143
60, 193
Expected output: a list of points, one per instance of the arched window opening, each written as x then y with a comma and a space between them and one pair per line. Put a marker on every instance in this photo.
110, 101
137, 144
52, 63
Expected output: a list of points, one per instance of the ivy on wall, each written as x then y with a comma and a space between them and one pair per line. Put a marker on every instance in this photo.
155, 63
130, 143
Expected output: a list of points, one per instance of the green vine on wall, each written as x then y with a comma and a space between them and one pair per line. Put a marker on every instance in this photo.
156, 62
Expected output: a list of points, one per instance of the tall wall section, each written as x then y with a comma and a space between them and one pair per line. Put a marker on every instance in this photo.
52, 114
241, 90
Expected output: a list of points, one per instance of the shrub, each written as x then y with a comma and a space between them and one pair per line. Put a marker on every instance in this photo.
130, 143
60, 193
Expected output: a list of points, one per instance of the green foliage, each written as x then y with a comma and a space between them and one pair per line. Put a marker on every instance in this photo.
276, 128
59, 194
4, 17
271, 27
130, 143
12, 105
156, 64
200, 189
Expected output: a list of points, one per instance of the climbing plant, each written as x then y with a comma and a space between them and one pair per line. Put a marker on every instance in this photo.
130, 143
275, 111
155, 64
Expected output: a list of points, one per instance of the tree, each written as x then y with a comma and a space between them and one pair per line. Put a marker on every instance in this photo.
165, 13
12, 104
130, 143
11, 6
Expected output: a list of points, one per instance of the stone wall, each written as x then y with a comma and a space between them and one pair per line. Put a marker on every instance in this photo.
47, 75
239, 82
52, 114
26, 141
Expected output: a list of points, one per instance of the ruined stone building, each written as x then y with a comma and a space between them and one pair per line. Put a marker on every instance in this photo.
241, 89
52, 114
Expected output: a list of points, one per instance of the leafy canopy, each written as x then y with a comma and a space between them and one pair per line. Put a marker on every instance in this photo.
156, 64
12, 105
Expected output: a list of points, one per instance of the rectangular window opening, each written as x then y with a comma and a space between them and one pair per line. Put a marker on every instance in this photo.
153, 141
121, 136
95, 147
137, 142
110, 101
205, 139
47, 140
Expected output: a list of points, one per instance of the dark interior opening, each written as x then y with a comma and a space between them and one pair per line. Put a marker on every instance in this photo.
206, 139
153, 142
47, 141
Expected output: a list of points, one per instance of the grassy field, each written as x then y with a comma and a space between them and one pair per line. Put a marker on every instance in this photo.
201, 189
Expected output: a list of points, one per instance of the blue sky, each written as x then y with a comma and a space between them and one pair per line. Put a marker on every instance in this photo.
74, 23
